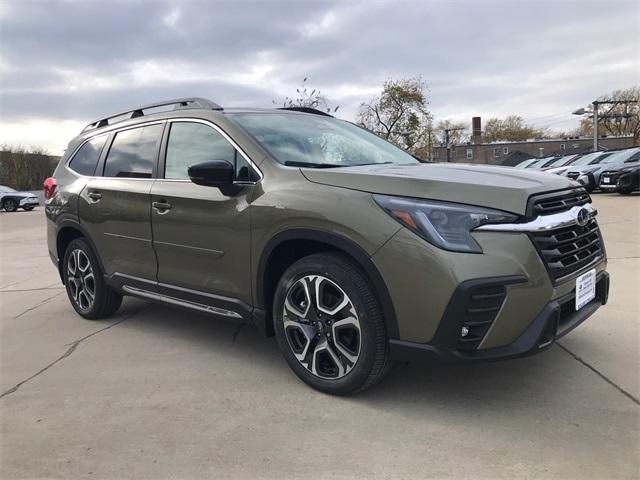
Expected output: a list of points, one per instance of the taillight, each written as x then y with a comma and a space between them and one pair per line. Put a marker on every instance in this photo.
49, 185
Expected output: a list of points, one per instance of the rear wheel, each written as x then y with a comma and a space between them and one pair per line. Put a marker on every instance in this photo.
27, 209
10, 205
329, 325
90, 296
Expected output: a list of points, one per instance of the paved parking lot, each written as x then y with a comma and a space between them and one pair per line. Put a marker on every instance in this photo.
156, 392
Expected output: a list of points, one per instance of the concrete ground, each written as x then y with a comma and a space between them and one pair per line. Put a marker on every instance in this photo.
159, 393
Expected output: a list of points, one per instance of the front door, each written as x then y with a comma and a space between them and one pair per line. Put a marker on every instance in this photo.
115, 205
201, 236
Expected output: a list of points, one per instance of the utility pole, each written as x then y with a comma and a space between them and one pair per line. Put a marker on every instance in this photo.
595, 125
446, 141
597, 117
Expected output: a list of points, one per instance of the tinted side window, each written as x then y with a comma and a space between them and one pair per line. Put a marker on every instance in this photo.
133, 152
85, 160
192, 143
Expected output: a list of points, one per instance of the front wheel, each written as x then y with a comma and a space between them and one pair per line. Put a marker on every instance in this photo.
329, 325
10, 205
83, 278
27, 209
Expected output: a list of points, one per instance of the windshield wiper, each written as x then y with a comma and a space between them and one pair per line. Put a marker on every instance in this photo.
372, 163
292, 163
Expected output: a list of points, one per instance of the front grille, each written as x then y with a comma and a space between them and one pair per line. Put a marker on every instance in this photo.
555, 203
483, 306
566, 250
612, 176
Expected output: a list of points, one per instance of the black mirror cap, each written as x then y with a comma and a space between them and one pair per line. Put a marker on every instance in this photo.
215, 173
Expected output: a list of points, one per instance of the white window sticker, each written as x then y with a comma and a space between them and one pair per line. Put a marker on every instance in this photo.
585, 288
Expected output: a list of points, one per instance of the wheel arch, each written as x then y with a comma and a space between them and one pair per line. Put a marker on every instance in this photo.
290, 245
68, 231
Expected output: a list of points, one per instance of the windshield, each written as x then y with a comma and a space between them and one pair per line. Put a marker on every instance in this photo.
586, 159
4, 189
558, 162
618, 156
317, 141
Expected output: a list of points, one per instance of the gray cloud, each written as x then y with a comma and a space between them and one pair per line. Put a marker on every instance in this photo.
79, 59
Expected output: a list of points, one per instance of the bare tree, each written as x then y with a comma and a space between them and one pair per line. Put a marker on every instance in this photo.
308, 98
622, 118
25, 169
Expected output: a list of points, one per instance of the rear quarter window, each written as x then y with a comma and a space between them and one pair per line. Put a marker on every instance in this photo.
133, 152
86, 158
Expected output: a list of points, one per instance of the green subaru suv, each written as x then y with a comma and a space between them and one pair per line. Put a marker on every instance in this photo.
347, 249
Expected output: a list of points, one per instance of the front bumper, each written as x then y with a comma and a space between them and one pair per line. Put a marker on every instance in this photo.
29, 202
556, 319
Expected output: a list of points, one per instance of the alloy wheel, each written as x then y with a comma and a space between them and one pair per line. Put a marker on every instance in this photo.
80, 278
322, 327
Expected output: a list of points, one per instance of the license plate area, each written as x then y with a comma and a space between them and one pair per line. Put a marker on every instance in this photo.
585, 288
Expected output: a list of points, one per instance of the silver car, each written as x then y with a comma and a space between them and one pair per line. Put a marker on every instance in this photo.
589, 175
11, 200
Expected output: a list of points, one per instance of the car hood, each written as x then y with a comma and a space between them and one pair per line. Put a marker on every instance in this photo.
503, 188
18, 194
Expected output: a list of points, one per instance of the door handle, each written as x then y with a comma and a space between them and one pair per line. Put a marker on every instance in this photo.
161, 207
95, 196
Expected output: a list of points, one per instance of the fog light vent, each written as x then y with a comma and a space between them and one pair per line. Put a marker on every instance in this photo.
482, 308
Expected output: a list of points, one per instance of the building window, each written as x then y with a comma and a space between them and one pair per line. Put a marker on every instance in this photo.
505, 150
496, 152
469, 153
563, 146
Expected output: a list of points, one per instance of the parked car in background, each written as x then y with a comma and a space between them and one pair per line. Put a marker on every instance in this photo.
11, 200
585, 159
526, 163
629, 180
543, 162
623, 180
589, 175
561, 162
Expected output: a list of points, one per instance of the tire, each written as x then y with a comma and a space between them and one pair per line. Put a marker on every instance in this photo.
27, 209
10, 205
339, 344
627, 191
84, 281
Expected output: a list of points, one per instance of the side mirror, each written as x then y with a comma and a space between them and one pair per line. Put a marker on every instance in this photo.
215, 173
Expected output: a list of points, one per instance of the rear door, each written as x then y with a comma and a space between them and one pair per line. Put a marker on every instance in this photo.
115, 204
201, 236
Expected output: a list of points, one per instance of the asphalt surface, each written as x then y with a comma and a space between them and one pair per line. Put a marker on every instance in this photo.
159, 393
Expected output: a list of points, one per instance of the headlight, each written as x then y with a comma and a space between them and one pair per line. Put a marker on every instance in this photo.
443, 224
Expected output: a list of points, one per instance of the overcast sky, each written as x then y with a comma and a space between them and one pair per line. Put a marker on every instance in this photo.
63, 64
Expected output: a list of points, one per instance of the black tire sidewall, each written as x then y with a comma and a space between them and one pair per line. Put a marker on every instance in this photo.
355, 286
101, 286
12, 202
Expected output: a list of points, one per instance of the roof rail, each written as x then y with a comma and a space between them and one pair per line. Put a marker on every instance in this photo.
180, 104
307, 110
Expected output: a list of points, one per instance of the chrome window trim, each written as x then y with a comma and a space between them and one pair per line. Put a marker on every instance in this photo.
227, 138
114, 131
543, 223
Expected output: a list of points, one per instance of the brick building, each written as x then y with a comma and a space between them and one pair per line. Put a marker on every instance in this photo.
476, 151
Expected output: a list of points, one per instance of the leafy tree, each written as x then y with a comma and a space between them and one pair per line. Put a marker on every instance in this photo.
511, 129
307, 98
399, 114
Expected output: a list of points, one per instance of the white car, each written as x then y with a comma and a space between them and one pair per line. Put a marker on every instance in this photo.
11, 200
